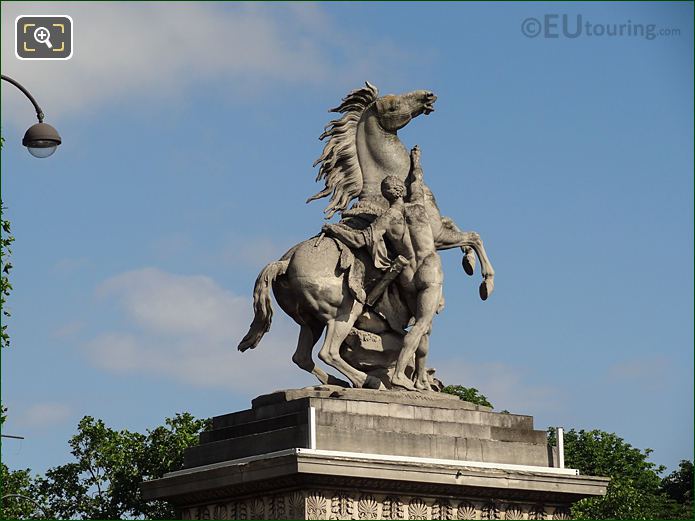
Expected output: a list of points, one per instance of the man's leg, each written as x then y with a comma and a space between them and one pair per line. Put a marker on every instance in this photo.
421, 381
407, 289
427, 305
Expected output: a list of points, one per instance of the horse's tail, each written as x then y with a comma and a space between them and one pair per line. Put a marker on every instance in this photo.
262, 304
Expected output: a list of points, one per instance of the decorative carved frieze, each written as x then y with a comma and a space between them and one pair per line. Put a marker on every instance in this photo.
490, 510
561, 513
514, 511
417, 509
368, 507
392, 508
341, 506
316, 506
466, 510
338, 504
537, 512
220, 512
441, 509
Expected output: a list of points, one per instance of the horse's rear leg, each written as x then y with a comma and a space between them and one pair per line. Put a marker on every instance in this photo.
308, 336
337, 331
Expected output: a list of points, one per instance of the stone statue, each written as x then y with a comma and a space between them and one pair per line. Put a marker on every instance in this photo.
368, 278
406, 227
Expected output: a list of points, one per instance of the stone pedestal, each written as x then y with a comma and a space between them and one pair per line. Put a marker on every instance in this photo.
331, 453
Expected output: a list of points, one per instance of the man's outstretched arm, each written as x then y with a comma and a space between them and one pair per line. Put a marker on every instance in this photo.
417, 183
352, 238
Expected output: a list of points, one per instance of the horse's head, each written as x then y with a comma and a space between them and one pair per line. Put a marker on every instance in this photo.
396, 111
361, 150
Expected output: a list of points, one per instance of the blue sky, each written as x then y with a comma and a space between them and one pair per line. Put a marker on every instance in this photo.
189, 132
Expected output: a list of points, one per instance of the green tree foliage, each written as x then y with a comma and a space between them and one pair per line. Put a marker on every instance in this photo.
5, 266
12, 482
636, 490
468, 394
679, 487
103, 481
16, 487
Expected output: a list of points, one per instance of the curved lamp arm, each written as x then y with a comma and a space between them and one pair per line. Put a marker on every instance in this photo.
41, 139
32, 501
39, 112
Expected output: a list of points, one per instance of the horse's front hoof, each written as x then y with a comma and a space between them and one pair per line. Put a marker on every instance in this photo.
332, 380
468, 263
486, 288
371, 382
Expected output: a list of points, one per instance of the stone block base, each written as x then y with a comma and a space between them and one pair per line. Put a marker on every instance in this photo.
325, 453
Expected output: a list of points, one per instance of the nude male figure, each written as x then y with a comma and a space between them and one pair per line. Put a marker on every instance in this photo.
406, 228
427, 281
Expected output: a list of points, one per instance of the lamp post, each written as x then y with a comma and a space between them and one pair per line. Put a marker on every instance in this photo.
26, 498
41, 139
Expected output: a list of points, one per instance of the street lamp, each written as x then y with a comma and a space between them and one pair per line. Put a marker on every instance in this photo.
26, 498
41, 139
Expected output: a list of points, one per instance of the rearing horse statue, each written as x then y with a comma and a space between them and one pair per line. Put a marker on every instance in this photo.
311, 282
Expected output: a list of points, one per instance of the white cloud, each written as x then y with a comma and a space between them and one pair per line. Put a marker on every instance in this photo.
643, 369
172, 244
43, 415
168, 304
187, 328
251, 251
70, 265
149, 51
506, 387
69, 329
646, 371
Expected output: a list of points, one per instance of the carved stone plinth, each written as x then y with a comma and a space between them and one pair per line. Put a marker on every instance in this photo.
328, 453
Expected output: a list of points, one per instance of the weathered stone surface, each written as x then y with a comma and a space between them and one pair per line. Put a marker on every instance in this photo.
426, 425
249, 445
368, 395
338, 484
339, 504
373, 282
418, 457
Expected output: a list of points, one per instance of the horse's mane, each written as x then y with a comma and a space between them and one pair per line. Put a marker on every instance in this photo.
339, 164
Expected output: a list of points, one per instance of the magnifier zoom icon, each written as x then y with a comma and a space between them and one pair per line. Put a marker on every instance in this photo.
43, 35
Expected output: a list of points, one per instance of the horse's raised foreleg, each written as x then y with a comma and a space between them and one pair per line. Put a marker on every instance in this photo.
468, 260
451, 238
337, 330
308, 336
488, 284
